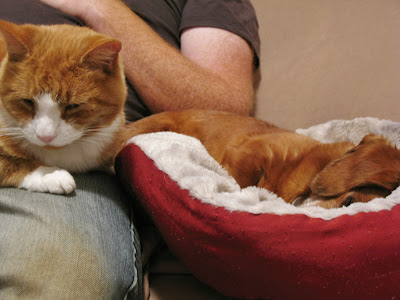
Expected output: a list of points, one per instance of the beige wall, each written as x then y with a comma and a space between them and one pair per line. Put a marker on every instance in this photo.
333, 59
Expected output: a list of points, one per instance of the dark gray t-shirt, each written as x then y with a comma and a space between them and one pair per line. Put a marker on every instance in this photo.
167, 17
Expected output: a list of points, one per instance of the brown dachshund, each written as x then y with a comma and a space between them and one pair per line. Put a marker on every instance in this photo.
297, 168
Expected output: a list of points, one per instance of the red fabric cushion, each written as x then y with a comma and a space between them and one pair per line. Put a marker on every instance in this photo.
268, 256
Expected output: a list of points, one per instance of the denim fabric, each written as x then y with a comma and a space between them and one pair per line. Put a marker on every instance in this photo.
81, 246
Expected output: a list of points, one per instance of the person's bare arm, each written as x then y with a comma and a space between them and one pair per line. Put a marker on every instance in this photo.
214, 69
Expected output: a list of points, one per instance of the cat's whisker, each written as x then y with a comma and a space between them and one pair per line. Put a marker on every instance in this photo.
14, 129
10, 134
13, 133
89, 140
17, 76
10, 128
15, 137
10, 131
96, 132
101, 134
95, 129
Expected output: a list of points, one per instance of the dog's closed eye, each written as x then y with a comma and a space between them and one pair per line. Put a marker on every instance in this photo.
359, 194
348, 201
363, 194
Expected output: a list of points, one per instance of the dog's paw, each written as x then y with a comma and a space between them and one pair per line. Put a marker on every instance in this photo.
49, 180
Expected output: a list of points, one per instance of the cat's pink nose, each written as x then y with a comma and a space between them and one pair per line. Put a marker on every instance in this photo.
46, 139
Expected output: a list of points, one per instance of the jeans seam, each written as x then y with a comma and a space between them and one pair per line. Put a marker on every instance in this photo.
135, 281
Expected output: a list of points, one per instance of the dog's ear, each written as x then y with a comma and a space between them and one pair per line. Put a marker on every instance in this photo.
372, 138
374, 162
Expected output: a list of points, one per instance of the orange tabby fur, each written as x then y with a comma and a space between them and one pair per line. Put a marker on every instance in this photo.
62, 68
291, 165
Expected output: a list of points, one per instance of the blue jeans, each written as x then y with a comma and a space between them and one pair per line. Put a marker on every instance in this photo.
82, 246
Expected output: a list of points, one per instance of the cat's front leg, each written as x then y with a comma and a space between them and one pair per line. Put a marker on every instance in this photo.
49, 180
28, 173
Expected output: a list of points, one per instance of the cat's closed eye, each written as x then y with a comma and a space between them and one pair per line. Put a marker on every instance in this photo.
28, 102
70, 107
27, 105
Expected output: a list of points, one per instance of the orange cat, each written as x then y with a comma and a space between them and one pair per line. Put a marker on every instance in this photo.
62, 95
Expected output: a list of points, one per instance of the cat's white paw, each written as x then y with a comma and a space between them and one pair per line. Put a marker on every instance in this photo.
49, 180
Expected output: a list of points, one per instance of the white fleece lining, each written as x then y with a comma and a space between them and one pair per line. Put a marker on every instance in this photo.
188, 163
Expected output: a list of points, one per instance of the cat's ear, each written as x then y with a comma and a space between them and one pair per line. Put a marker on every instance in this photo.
103, 55
17, 39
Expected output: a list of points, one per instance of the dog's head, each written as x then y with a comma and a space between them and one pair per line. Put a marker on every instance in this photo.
369, 170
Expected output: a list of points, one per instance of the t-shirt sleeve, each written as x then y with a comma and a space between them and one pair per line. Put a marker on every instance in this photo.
237, 16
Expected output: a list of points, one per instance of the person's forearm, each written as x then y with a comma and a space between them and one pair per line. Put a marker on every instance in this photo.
162, 76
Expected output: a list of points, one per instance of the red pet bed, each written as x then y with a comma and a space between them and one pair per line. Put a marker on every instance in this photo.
250, 244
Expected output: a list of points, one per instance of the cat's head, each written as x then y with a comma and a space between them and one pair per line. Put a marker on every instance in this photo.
59, 83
